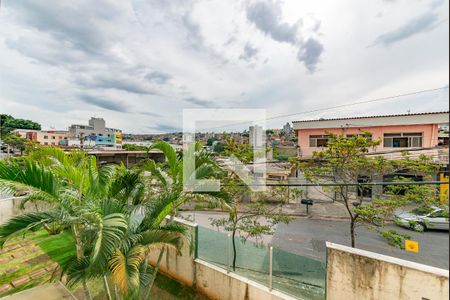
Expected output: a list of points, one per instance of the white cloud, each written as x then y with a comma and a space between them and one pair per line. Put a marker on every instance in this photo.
139, 63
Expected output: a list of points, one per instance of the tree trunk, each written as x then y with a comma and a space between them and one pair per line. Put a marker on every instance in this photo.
155, 272
80, 255
116, 292
352, 231
105, 283
234, 249
86, 290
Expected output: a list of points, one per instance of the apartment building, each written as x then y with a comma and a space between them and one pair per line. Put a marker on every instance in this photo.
396, 132
96, 133
44, 137
419, 133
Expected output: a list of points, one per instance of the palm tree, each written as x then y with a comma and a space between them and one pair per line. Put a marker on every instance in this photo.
116, 216
168, 179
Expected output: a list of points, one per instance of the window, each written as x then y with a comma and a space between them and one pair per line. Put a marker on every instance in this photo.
45, 137
402, 140
318, 140
53, 137
45, 143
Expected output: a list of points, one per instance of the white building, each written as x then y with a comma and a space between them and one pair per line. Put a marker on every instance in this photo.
96, 132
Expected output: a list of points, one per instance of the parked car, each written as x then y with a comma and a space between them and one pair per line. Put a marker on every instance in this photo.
421, 219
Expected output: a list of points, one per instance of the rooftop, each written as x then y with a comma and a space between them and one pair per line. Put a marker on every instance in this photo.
114, 152
428, 118
372, 117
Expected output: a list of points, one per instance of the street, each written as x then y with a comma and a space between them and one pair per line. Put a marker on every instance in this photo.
308, 236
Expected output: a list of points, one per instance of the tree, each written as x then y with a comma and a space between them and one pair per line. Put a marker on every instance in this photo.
219, 147
132, 147
16, 142
250, 221
8, 123
168, 178
113, 213
344, 162
210, 142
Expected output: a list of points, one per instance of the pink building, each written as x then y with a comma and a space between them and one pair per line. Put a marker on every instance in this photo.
396, 132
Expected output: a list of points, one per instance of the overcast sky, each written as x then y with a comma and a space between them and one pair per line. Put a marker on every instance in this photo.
139, 63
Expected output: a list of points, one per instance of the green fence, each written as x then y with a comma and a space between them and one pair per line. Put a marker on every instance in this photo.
299, 276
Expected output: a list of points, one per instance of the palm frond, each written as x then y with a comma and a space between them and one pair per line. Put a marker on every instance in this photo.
79, 269
169, 153
157, 238
125, 268
26, 222
35, 197
30, 174
155, 171
161, 207
111, 229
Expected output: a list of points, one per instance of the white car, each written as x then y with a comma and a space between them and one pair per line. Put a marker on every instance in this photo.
420, 219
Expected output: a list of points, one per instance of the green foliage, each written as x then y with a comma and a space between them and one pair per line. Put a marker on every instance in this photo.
116, 215
394, 238
242, 151
132, 147
251, 221
219, 147
9, 123
16, 142
344, 161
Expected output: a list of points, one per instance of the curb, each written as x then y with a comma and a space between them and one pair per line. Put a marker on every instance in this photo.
300, 215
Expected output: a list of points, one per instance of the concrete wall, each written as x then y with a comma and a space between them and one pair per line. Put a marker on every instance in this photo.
208, 279
354, 274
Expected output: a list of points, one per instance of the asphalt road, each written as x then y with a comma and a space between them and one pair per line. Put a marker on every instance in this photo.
307, 237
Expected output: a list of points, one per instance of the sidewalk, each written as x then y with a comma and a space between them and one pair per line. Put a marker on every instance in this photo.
320, 210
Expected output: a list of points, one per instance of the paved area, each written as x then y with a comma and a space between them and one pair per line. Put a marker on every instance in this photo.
22, 265
53, 291
307, 237
320, 209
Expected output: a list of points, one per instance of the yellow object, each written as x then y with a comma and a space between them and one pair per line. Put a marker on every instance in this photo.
118, 138
443, 188
412, 246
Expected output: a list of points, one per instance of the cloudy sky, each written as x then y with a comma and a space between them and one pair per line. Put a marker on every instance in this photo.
139, 63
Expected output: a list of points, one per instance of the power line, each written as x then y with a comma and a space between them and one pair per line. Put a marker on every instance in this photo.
338, 106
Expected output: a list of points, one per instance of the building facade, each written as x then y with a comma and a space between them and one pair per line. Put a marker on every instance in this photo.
396, 132
256, 136
96, 133
44, 137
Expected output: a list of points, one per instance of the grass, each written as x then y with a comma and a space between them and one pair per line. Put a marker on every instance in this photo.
60, 248
50, 248
174, 289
